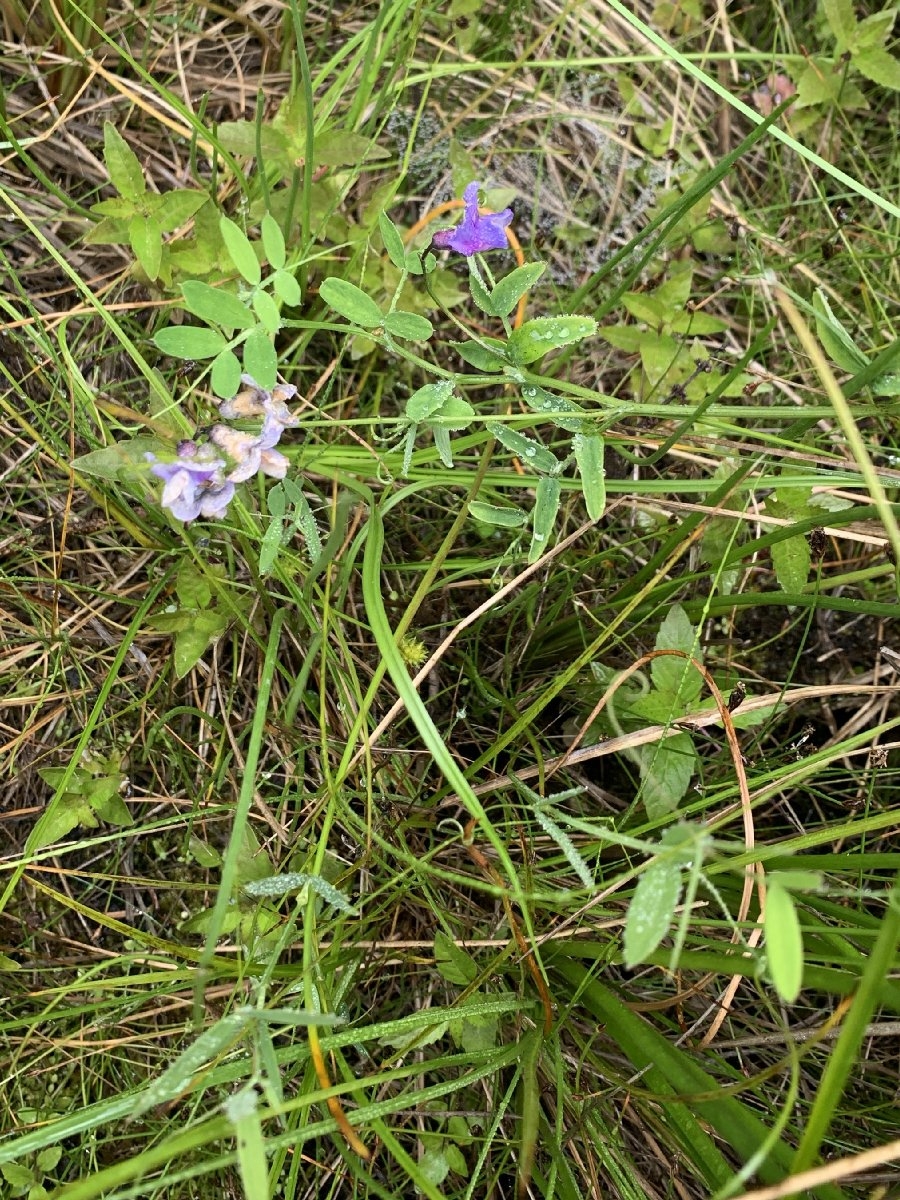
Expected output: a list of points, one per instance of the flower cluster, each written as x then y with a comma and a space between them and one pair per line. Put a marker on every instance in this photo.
477, 232
200, 482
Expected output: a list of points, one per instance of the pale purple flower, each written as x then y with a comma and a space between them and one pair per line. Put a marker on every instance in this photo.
477, 232
193, 484
255, 401
252, 453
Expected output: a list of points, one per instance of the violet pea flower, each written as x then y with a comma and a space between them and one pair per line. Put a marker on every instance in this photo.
193, 485
477, 232
255, 401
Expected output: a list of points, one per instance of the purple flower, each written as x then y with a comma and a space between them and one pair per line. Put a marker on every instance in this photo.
252, 454
477, 232
255, 401
193, 485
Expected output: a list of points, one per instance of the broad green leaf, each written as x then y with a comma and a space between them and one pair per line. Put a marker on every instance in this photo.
351, 302
189, 341
286, 288
116, 207
791, 561
494, 514
427, 400
109, 462
341, 148
241, 137
696, 324
123, 164
267, 311
784, 941
546, 507
589, 460
393, 241
836, 341
872, 32
260, 359
489, 357
841, 20
434, 1166
453, 963
192, 643
273, 242
70, 812
542, 334
879, 66
216, 306
410, 326
240, 250
507, 293
145, 238
652, 909
192, 586
225, 375
534, 454
675, 676
666, 773
179, 206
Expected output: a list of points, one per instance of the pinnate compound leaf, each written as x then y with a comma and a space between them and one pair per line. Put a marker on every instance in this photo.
652, 910
216, 306
351, 302
123, 164
542, 334
240, 250
784, 941
189, 341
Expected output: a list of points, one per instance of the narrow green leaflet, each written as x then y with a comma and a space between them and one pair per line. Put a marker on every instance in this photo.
542, 334
393, 241
784, 941
556, 408
504, 516
534, 454
411, 326
189, 341
123, 164
216, 306
225, 375
836, 341
260, 359
242, 1111
241, 251
652, 909
566, 845
489, 355
506, 295
589, 460
209, 1045
286, 288
280, 885
267, 311
546, 507
273, 242
351, 302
